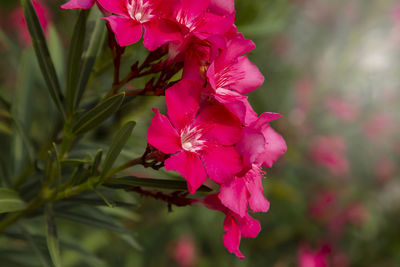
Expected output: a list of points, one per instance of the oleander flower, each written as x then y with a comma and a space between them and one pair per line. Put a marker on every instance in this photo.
259, 143
134, 15
245, 191
200, 139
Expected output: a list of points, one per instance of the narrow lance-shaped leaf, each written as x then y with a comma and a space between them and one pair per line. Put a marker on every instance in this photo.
117, 145
90, 56
96, 162
74, 59
86, 219
98, 114
41, 257
131, 181
51, 236
42, 54
22, 112
10, 201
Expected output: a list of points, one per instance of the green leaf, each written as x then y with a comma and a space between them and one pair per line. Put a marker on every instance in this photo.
117, 145
57, 53
51, 236
96, 162
21, 111
42, 258
131, 181
10, 201
98, 114
42, 54
86, 219
41, 242
5, 128
90, 55
96, 202
74, 59
73, 162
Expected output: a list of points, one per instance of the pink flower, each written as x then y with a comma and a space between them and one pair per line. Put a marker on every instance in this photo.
185, 252
17, 20
232, 71
244, 191
379, 127
341, 108
133, 15
200, 139
231, 75
195, 19
259, 143
330, 152
235, 226
197, 24
309, 258
78, 4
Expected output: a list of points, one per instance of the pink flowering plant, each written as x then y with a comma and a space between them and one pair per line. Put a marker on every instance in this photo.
209, 134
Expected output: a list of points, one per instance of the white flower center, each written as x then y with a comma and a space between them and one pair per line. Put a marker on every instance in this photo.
191, 139
228, 76
190, 23
140, 11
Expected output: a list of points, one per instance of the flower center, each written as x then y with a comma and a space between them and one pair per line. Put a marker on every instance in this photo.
191, 139
140, 11
190, 23
228, 76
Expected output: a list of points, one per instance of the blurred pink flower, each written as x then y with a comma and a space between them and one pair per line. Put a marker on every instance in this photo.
330, 152
341, 108
322, 205
309, 258
379, 126
184, 252
18, 23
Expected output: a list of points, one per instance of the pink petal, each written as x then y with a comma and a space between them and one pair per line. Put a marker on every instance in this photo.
250, 145
115, 6
251, 77
190, 167
234, 196
214, 25
264, 119
194, 8
158, 32
249, 227
237, 104
222, 126
183, 102
162, 135
222, 7
126, 30
275, 146
257, 201
222, 163
232, 236
78, 4
236, 47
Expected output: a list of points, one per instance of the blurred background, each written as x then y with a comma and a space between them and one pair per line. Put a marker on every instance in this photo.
332, 71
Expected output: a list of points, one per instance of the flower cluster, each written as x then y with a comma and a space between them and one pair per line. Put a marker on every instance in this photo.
210, 130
